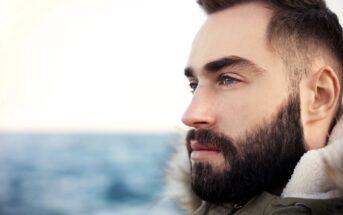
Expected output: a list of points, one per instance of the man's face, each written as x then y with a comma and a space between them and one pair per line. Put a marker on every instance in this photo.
240, 86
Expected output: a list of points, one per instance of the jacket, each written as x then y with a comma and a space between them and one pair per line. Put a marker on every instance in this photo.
315, 187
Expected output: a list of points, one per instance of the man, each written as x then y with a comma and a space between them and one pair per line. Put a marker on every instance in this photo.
266, 77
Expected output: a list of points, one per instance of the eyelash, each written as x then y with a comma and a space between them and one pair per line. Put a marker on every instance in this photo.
221, 80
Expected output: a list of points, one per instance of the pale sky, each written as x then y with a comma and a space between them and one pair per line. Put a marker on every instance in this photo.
96, 65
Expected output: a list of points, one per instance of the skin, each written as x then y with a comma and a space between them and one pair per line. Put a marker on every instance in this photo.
235, 99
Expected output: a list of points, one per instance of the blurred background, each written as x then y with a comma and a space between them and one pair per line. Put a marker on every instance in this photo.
91, 96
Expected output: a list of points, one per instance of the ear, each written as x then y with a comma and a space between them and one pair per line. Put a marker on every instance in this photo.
325, 90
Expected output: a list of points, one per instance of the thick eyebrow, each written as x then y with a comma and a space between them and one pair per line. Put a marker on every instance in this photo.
225, 62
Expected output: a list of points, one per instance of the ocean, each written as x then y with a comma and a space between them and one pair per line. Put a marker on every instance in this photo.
84, 174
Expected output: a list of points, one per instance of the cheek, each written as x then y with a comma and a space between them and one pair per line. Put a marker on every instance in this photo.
233, 118
246, 108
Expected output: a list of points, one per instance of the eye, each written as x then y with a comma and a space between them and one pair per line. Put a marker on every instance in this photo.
227, 80
193, 85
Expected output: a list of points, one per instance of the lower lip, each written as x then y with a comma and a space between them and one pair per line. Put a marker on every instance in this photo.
200, 155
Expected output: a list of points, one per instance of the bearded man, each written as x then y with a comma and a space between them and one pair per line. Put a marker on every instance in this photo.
266, 77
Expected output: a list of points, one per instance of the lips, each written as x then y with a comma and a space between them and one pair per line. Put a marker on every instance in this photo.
201, 152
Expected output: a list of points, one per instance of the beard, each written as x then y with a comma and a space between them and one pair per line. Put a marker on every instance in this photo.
262, 160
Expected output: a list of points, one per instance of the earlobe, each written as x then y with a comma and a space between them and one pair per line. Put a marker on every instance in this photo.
326, 89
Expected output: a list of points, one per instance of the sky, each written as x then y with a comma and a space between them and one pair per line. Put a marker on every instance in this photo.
96, 65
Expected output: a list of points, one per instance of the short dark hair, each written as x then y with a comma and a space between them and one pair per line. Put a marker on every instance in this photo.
211, 6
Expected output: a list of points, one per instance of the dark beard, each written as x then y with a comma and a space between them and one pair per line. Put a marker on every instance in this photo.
263, 160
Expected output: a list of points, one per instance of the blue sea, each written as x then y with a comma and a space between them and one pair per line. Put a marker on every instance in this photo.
84, 174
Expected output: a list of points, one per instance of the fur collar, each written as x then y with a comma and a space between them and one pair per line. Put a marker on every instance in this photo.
178, 180
318, 174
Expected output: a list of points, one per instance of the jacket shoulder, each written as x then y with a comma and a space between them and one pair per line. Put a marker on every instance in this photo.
269, 204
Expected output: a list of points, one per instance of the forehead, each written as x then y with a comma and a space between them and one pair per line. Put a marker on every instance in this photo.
238, 31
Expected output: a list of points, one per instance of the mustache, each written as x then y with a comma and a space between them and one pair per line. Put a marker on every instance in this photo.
212, 139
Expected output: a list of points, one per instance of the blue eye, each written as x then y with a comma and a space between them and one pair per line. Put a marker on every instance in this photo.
227, 80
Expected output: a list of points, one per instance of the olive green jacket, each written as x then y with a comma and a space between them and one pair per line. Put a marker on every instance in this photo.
268, 204
316, 186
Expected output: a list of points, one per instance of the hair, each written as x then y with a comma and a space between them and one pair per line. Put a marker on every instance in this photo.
299, 31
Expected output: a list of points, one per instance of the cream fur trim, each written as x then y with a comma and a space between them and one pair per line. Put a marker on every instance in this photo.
319, 173
178, 180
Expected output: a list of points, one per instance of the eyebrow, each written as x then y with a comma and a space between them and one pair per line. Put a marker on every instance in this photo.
225, 62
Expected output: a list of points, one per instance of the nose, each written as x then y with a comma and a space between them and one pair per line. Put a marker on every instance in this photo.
200, 113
